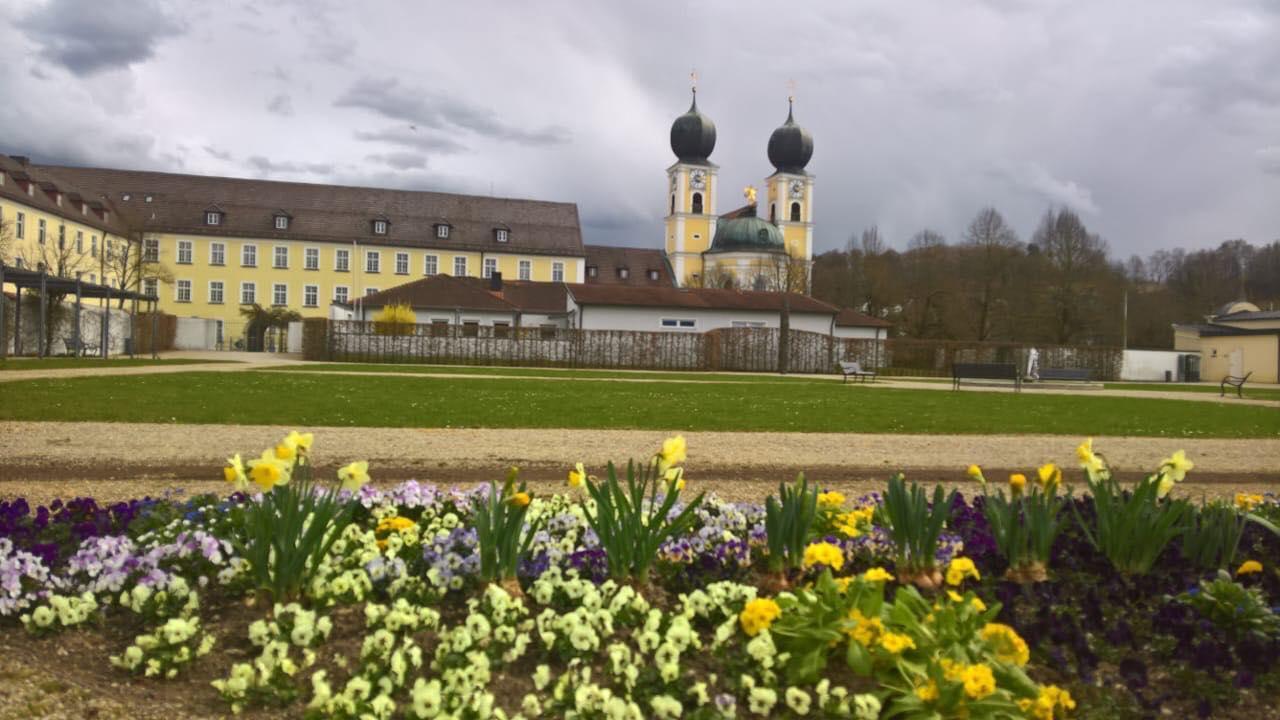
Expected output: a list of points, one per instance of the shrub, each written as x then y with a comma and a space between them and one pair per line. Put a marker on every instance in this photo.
1234, 609
396, 319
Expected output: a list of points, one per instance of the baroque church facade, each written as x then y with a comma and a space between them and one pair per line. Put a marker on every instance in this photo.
769, 248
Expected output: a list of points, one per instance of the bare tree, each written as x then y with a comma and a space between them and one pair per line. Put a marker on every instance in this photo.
61, 256
992, 248
783, 272
126, 262
1076, 262
716, 277
7, 242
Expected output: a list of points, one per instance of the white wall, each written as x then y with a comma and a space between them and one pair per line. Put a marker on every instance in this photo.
1141, 365
862, 333
196, 334
609, 317
119, 327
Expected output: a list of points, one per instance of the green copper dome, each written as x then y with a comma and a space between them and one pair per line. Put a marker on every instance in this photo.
747, 233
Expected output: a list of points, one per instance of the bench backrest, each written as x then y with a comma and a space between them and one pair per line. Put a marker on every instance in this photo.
1237, 378
985, 371
1066, 374
851, 367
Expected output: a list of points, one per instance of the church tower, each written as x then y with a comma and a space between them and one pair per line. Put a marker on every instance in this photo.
790, 188
691, 193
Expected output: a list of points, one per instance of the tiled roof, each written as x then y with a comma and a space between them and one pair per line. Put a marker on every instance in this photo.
639, 262
1215, 330
1249, 315
705, 298
16, 173
331, 213
852, 318
447, 292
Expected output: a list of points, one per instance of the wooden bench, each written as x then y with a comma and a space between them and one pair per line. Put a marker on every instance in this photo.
80, 348
985, 371
1071, 374
855, 369
1235, 382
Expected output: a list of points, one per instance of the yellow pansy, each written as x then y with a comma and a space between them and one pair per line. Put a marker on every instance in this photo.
354, 475
959, 569
235, 474
831, 499
577, 475
877, 574
823, 553
897, 642
1249, 567
758, 615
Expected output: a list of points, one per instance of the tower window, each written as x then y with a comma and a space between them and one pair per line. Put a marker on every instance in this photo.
673, 205
697, 203
773, 212
795, 212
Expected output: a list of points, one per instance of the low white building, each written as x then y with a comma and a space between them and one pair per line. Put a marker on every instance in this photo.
604, 307
853, 324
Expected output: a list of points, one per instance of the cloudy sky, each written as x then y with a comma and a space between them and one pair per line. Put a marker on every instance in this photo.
1159, 121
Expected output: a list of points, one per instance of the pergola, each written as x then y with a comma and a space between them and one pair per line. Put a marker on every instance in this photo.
46, 283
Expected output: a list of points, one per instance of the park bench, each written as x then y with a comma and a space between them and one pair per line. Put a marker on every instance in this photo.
1070, 374
985, 371
1236, 382
80, 348
855, 369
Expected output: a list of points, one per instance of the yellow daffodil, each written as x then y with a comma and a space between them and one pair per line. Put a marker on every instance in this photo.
577, 475
674, 450
520, 499
831, 499
1090, 462
1177, 465
823, 553
975, 473
295, 445
1049, 475
877, 574
758, 615
1017, 483
286, 453
268, 471
1249, 567
354, 476
235, 474
675, 478
959, 569
1247, 502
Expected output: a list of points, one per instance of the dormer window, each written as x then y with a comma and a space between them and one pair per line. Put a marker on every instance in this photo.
379, 227
592, 271
282, 222
501, 234
147, 198
442, 231
212, 217
653, 274
126, 197
624, 273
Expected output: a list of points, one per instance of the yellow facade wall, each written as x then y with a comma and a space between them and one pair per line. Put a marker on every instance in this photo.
90, 262
1259, 354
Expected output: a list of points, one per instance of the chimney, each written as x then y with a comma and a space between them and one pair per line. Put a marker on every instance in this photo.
495, 282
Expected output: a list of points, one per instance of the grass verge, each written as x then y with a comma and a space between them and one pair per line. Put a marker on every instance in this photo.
69, 363
489, 370
319, 399
1255, 393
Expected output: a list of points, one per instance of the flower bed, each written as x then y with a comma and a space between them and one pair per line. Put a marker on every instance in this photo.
630, 596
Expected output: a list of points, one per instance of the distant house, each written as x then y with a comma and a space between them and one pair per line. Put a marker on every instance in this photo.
853, 324
469, 302
1236, 340
602, 307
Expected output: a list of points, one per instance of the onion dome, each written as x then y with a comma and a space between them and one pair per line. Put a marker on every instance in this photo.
744, 232
693, 135
790, 146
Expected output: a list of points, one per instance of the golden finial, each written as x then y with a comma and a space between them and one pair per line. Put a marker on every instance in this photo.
791, 91
693, 79
749, 192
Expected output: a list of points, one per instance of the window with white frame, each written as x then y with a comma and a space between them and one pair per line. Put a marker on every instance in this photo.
379, 227
184, 252
678, 323
151, 249
213, 217
150, 287
310, 295
524, 270
215, 292
248, 293
280, 257
20, 226
747, 323
442, 231
311, 259
40, 231
490, 267
249, 256
372, 261
93, 245
279, 294
431, 265
282, 222
460, 266
217, 253
623, 273
184, 291
80, 241
342, 260
557, 272
370, 290
501, 234
341, 293
402, 263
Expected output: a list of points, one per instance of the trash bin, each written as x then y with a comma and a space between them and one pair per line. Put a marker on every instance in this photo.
1168, 376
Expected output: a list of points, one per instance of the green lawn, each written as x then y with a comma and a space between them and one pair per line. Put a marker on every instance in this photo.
319, 399
551, 372
64, 363
1255, 393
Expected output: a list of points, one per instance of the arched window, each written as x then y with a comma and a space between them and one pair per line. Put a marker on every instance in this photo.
773, 212
697, 203
673, 205
795, 212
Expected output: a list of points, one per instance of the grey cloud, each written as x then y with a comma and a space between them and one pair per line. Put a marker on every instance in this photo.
1269, 158
217, 153
267, 165
90, 37
388, 98
281, 104
417, 139
400, 160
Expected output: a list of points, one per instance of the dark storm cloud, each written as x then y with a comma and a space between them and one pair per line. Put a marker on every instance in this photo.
388, 98
413, 138
89, 37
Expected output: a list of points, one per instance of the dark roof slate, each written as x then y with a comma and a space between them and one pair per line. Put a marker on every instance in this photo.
695, 298
638, 261
45, 182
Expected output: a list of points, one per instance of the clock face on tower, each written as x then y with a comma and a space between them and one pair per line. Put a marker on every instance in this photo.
797, 189
698, 179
